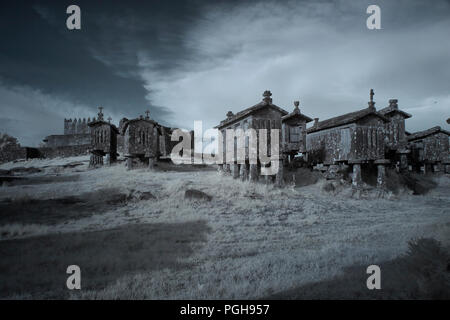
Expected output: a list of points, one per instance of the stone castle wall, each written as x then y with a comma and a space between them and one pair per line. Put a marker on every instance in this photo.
61, 140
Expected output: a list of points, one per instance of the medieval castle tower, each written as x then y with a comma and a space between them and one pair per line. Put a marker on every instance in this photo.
75, 126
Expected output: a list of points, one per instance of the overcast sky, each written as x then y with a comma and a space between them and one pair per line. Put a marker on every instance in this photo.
196, 60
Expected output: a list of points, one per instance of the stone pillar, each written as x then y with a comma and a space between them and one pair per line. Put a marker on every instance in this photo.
99, 160
151, 163
235, 170
244, 172
112, 158
129, 163
424, 168
253, 172
95, 160
107, 159
403, 162
447, 167
381, 177
356, 176
91, 161
436, 167
279, 178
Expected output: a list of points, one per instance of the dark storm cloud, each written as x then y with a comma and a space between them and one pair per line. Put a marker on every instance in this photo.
195, 60
40, 52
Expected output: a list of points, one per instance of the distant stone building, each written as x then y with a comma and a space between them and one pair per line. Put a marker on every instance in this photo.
430, 149
355, 138
103, 141
264, 115
141, 141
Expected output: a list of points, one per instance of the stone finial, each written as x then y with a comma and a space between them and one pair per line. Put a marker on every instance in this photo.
109, 119
267, 96
100, 113
371, 102
296, 104
393, 103
147, 114
229, 114
316, 122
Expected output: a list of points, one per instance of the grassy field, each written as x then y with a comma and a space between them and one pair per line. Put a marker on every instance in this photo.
134, 236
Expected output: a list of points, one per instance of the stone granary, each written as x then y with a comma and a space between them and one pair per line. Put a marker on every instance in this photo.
264, 115
430, 149
141, 141
395, 135
103, 141
294, 132
355, 138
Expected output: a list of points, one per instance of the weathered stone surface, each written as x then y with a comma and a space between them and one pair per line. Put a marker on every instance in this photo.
356, 176
107, 159
235, 170
253, 172
243, 172
95, 160
279, 178
381, 176
151, 163
194, 194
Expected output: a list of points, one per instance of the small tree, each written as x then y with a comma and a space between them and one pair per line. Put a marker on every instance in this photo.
7, 140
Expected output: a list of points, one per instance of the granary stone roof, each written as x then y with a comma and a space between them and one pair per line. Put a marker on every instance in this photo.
296, 114
97, 122
393, 108
125, 123
425, 133
101, 121
346, 119
266, 102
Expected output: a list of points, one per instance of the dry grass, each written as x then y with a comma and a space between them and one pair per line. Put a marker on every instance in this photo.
260, 240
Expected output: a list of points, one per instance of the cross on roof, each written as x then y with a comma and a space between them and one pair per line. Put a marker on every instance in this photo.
109, 119
267, 94
147, 112
371, 95
100, 114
